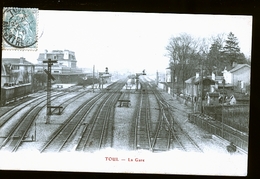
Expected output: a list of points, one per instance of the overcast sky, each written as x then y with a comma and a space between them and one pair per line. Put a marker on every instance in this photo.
133, 41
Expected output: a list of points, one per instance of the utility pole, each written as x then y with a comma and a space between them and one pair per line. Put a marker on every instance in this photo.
173, 79
201, 85
49, 78
157, 78
222, 126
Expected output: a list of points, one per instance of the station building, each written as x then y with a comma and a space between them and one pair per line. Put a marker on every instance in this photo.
65, 71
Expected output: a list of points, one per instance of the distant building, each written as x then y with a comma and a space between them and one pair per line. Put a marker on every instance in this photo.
65, 70
104, 77
65, 58
193, 85
167, 84
16, 71
238, 77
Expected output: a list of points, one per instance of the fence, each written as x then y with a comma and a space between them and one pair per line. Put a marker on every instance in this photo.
236, 116
238, 138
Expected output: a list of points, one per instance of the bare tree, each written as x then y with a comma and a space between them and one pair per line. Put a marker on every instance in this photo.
182, 49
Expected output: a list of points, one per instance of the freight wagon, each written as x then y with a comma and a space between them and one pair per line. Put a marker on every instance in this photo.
14, 92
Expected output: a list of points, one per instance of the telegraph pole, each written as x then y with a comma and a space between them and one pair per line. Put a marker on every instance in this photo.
49, 78
173, 79
157, 78
222, 126
201, 84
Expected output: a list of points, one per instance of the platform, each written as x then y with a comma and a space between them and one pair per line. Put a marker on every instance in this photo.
124, 100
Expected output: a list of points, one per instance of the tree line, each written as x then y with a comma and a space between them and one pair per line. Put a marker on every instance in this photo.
188, 55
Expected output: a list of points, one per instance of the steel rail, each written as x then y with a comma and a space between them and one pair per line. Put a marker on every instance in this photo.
105, 123
143, 116
19, 124
164, 104
106, 103
162, 117
9, 114
65, 126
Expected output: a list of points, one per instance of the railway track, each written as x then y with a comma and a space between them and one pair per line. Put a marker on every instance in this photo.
169, 133
142, 128
64, 136
9, 112
147, 138
17, 133
162, 140
99, 131
181, 139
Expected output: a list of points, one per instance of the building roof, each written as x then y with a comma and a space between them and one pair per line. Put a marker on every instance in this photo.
16, 61
190, 80
106, 75
239, 66
168, 84
197, 80
219, 77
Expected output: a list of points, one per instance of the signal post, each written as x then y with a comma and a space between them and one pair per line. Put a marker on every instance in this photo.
137, 78
49, 78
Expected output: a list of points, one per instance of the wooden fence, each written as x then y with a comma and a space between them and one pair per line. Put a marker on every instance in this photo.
240, 139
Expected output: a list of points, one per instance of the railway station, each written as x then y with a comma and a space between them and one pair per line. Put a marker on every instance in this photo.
132, 113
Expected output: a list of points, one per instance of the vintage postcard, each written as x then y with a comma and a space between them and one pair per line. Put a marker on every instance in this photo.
121, 92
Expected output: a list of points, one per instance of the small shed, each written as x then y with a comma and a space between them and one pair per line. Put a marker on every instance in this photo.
212, 98
206, 82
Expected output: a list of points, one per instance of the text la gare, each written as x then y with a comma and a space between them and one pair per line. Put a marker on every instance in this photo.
115, 159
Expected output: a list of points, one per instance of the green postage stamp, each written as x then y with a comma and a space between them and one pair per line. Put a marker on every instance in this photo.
20, 28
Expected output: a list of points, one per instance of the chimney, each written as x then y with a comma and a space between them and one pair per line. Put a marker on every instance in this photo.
234, 64
213, 76
22, 60
45, 54
197, 74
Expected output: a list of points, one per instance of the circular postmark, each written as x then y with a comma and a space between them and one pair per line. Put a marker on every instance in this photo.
20, 27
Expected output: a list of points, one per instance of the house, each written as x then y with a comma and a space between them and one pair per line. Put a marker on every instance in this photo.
191, 89
238, 77
169, 82
193, 85
16, 70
